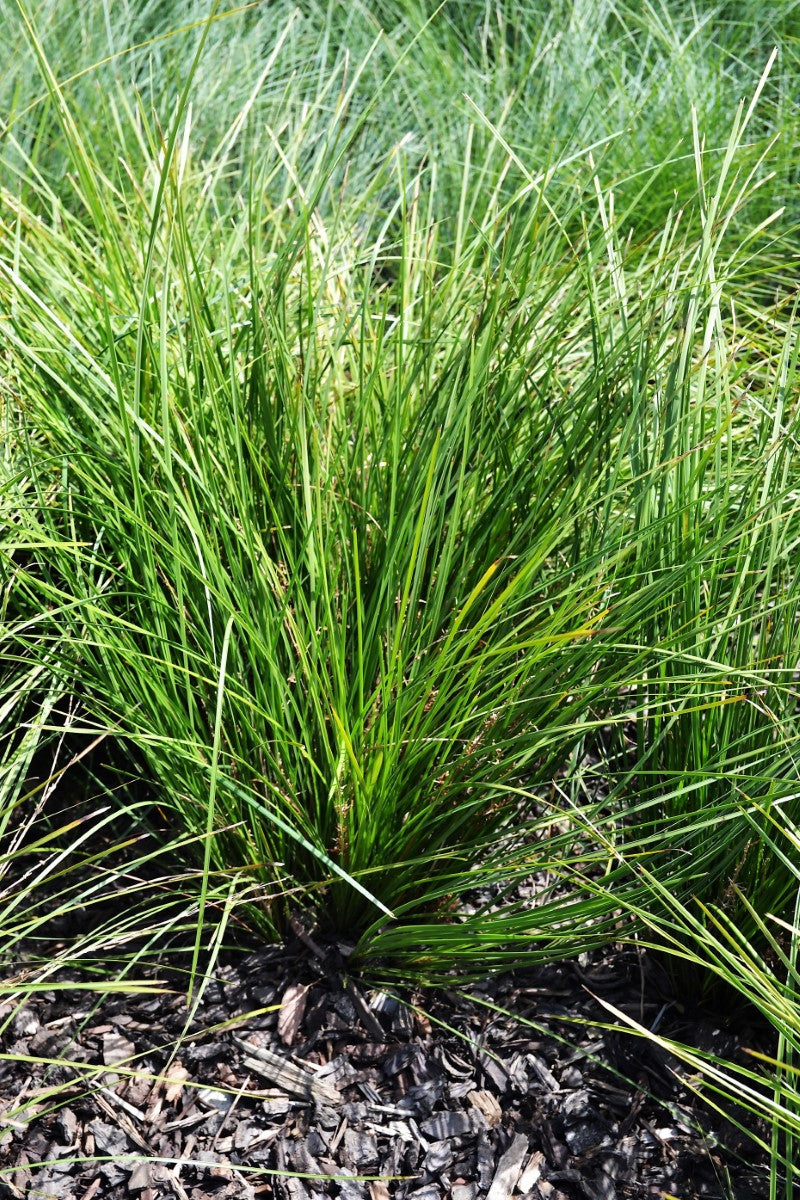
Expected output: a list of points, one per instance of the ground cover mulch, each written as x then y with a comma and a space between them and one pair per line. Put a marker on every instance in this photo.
290, 1071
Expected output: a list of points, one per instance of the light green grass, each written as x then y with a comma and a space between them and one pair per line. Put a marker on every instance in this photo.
403, 481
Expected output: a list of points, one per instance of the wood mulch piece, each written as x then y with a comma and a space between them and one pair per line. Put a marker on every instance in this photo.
289, 1071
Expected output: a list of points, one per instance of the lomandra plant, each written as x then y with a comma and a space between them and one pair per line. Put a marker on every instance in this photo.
335, 510
712, 441
760, 968
305, 582
79, 888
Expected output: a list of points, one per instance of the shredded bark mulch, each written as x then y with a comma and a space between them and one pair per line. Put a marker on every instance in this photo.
291, 1080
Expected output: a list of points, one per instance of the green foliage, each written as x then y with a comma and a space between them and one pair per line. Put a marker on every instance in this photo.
401, 482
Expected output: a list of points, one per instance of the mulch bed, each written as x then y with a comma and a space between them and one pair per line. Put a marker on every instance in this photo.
437, 1096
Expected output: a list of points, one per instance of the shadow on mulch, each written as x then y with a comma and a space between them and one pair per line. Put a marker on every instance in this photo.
290, 1078
288, 1071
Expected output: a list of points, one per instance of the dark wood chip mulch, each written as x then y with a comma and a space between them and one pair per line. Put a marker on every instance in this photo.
288, 1072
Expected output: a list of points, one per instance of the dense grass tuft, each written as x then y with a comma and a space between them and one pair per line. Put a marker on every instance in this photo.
401, 488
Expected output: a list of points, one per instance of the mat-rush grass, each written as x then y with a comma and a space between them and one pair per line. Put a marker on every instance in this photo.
412, 502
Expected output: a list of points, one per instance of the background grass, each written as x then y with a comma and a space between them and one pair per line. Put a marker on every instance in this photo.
400, 481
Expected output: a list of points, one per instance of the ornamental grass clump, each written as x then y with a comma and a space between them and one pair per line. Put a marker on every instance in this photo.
313, 528
400, 497
409, 510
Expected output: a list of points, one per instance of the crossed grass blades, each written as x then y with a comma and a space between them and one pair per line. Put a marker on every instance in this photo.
411, 507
